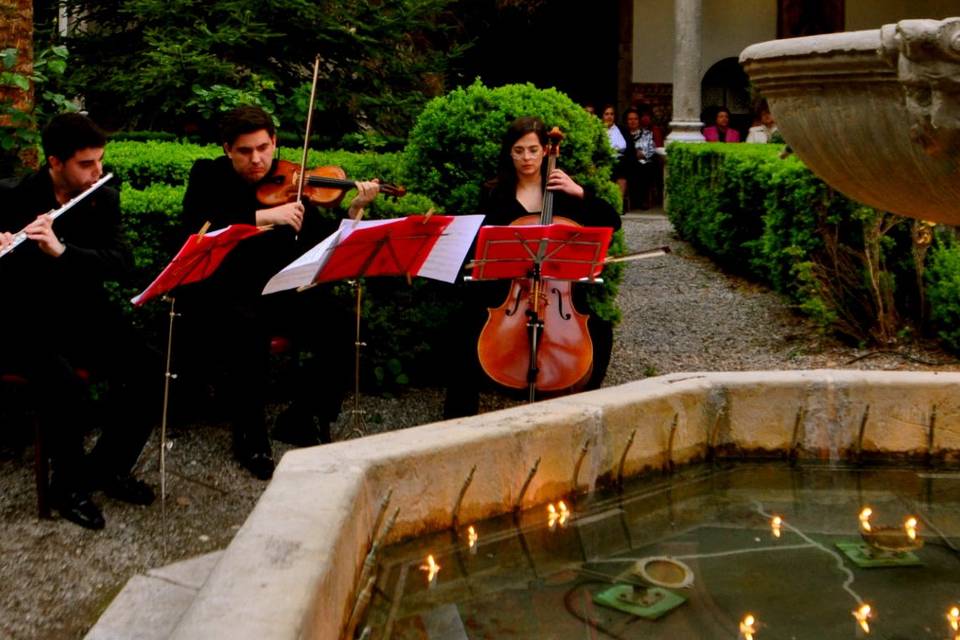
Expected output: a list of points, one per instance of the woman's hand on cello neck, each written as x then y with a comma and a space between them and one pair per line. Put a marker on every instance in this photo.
560, 181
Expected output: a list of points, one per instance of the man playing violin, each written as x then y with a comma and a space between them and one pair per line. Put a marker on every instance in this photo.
229, 320
57, 320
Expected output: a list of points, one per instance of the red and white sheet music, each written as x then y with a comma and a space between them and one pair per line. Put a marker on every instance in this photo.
426, 246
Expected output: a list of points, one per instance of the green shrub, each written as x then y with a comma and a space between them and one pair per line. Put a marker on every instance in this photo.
141, 164
773, 220
942, 278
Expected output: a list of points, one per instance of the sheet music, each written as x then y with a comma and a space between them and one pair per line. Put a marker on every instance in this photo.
301, 271
443, 263
446, 258
304, 269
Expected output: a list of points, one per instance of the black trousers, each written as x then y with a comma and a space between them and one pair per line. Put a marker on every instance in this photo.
129, 378
226, 342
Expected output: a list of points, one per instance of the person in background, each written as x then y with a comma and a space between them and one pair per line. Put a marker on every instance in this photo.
626, 154
721, 131
645, 138
766, 130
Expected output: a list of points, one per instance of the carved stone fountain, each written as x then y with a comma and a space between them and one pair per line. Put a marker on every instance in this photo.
875, 114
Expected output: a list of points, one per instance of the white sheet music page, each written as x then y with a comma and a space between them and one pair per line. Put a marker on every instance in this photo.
446, 258
302, 271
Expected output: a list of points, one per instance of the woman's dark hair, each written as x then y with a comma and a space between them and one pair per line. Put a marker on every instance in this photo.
506, 173
243, 120
68, 133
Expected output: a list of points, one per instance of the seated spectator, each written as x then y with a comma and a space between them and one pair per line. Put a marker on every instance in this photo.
721, 131
621, 170
766, 131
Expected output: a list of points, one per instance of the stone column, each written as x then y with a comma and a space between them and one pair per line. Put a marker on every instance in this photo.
687, 30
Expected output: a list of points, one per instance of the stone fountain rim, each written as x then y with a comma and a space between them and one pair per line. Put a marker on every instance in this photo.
847, 42
279, 579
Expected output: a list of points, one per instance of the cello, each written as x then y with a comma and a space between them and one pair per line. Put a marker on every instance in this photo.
536, 339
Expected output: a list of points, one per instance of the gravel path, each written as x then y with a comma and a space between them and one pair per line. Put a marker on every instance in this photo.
679, 314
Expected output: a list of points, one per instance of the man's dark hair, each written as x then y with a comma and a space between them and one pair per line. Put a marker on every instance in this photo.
68, 133
243, 120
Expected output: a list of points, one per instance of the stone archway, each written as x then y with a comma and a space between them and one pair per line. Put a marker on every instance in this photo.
726, 85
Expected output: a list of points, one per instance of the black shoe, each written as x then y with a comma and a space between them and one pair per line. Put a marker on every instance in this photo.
300, 430
128, 489
78, 508
260, 464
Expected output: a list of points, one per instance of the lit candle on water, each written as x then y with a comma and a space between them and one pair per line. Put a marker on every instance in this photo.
557, 514
748, 627
775, 525
472, 539
953, 618
910, 526
863, 615
865, 518
432, 569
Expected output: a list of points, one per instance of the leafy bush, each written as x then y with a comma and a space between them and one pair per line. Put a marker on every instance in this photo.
772, 219
943, 289
176, 65
20, 137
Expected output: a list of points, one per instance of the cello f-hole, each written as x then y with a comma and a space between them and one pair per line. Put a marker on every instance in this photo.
559, 294
516, 303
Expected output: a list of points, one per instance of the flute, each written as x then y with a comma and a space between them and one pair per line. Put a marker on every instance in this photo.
21, 236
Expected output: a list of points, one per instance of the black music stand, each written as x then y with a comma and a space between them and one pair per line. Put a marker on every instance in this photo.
539, 253
198, 259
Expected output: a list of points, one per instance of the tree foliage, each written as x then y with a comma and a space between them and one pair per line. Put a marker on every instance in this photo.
174, 64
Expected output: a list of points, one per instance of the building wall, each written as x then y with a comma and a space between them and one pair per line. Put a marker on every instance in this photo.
727, 29
730, 27
871, 14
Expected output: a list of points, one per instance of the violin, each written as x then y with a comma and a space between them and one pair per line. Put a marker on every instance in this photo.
323, 186
536, 339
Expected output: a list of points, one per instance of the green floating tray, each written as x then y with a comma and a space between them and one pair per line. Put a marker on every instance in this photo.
659, 602
862, 556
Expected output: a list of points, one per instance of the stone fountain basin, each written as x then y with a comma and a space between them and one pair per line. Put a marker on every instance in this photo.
292, 569
841, 103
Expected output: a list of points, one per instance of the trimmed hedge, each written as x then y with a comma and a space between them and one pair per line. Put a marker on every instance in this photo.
773, 220
942, 279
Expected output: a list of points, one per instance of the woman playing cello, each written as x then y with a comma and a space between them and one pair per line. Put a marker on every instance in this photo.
517, 191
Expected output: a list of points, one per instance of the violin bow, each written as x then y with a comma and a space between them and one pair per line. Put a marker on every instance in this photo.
306, 138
